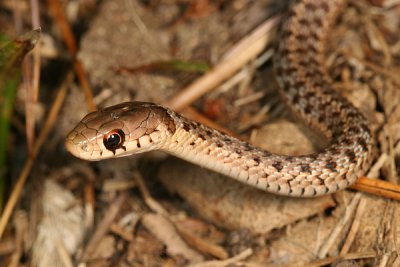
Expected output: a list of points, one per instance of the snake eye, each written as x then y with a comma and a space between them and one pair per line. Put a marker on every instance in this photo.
114, 140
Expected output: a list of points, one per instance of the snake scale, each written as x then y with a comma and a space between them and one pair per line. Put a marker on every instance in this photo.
136, 127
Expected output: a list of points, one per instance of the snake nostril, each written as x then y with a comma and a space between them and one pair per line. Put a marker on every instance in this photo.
84, 147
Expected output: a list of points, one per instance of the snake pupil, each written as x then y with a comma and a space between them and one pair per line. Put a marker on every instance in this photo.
114, 140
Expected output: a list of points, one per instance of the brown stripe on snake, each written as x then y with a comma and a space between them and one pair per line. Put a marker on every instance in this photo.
306, 88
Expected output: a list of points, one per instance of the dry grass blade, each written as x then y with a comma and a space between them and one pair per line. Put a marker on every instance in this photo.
339, 228
48, 125
350, 256
164, 230
104, 225
31, 77
246, 50
354, 227
228, 262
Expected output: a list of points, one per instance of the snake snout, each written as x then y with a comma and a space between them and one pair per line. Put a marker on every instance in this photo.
79, 146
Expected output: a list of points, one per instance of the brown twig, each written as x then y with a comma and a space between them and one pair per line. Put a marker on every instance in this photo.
202, 245
377, 187
69, 39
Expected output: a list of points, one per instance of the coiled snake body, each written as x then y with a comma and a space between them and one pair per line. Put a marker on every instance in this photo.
136, 127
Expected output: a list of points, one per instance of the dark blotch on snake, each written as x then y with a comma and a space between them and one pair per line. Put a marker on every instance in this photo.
257, 160
219, 144
209, 133
278, 166
310, 6
186, 127
227, 141
296, 99
318, 21
351, 155
308, 109
324, 6
304, 22
321, 118
362, 143
309, 94
246, 147
301, 37
305, 168
331, 166
354, 129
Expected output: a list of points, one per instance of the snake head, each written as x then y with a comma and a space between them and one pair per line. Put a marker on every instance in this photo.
120, 130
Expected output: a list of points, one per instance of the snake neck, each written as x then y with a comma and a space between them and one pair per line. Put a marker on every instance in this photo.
302, 176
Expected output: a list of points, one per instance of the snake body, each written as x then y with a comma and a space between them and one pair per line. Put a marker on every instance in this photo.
306, 87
